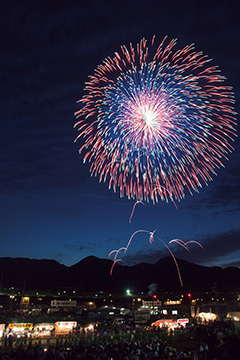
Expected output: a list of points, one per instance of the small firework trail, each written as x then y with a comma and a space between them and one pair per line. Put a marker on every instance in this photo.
185, 244
133, 209
114, 263
175, 260
151, 239
116, 252
151, 233
156, 121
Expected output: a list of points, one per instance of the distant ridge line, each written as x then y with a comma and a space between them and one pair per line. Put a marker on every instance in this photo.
93, 274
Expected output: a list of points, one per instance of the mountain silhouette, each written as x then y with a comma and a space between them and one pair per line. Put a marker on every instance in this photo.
93, 274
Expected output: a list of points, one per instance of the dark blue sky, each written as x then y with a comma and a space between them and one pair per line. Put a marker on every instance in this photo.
50, 206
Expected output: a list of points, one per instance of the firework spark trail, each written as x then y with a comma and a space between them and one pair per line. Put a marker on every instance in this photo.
114, 263
154, 117
175, 260
115, 260
133, 209
116, 252
139, 231
194, 242
185, 244
180, 242
165, 189
151, 239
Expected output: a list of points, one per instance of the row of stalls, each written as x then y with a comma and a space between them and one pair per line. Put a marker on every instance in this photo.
34, 331
201, 318
64, 328
171, 323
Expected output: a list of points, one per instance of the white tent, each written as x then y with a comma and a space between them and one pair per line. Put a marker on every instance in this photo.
234, 315
206, 316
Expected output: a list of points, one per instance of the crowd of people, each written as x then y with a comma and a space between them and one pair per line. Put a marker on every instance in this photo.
121, 351
216, 341
126, 350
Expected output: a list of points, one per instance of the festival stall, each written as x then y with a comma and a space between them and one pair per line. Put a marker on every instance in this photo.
205, 317
19, 329
64, 327
2, 328
234, 315
42, 330
171, 323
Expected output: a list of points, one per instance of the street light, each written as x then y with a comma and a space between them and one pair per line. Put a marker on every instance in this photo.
154, 298
11, 300
190, 302
130, 293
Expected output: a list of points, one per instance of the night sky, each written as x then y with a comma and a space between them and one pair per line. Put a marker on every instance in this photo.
50, 206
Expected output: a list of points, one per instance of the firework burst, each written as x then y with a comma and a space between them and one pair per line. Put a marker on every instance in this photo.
156, 122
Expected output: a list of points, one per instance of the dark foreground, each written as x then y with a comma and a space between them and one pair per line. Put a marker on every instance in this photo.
202, 343
126, 351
